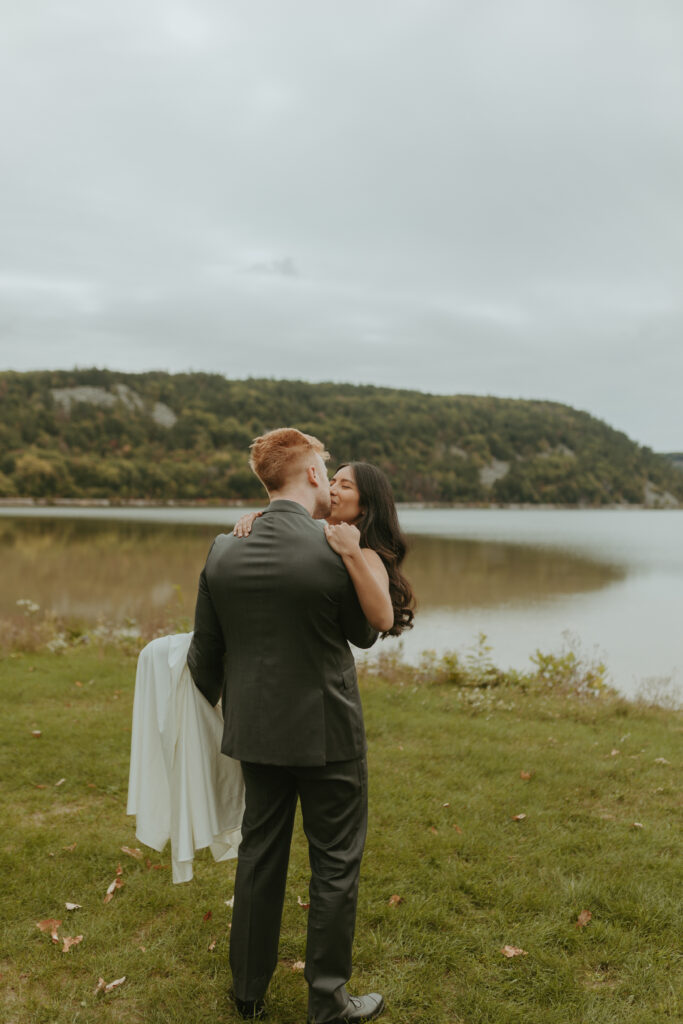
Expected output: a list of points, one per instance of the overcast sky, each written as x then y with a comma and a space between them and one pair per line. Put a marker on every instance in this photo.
465, 196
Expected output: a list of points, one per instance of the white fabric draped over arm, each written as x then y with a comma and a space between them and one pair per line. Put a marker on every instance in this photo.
181, 787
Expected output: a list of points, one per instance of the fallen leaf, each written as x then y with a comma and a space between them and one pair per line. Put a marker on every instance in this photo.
73, 906
103, 987
445, 805
525, 775
511, 951
518, 817
36, 733
658, 760
91, 785
50, 924
395, 900
132, 852
69, 942
303, 903
118, 883
212, 945
78, 683
60, 783
613, 753
298, 965
583, 919
143, 949
159, 867
637, 824
433, 830
208, 915
457, 829
39, 785
70, 849
230, 902
119, 871
148, 863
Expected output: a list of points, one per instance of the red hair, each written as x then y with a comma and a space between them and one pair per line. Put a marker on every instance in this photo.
277, 454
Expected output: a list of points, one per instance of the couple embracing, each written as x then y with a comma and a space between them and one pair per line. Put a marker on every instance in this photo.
278, 603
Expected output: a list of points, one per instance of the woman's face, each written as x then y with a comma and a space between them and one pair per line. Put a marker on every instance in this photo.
344, 497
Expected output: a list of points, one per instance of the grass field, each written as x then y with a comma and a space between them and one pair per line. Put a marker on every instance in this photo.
601, 833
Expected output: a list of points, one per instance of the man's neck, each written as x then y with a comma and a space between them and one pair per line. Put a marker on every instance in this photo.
297, 494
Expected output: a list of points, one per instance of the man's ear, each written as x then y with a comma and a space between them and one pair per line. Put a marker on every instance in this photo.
312, 474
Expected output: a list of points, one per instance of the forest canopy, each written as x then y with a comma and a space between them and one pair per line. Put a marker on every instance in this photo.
185, 437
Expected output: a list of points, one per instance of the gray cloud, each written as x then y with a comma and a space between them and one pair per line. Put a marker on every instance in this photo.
443, 195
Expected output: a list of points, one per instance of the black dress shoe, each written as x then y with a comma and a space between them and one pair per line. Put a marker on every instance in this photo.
360, 1008
250, 1009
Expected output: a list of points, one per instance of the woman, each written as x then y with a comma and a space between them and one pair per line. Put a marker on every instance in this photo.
363, 529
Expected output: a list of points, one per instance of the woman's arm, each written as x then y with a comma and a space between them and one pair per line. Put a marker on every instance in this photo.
367, 573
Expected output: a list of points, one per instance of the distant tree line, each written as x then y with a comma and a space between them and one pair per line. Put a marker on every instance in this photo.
434, 448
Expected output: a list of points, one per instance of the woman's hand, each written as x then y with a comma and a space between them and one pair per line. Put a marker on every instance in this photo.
343, 538
244, 524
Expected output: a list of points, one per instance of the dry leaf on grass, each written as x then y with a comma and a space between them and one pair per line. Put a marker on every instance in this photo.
457, 829
511, 951
40, 785
637, 824
118, 883
208, 915
613, 753
395, 900
132, 852
70, 849
230, 902
583, 919
212, 945
298, 965
50, 924
433, 830
661, 760
60, 783
36, 733
69, 942
73, 906
119, 871
518, 817
446, 805
303, 903
103, 987
525, 775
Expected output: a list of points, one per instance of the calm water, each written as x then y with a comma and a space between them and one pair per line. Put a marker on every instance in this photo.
613, 579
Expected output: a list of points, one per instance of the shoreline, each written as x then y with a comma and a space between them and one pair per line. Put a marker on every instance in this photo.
209, 503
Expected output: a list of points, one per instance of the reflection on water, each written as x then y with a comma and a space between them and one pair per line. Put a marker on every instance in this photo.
87, 569
613, 579
456, 574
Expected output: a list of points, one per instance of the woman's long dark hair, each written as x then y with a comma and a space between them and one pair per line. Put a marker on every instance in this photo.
379, 530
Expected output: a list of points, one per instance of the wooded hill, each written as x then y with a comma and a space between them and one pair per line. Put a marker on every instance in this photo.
102, 434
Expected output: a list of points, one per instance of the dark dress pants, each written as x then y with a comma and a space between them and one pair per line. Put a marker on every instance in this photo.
334, 810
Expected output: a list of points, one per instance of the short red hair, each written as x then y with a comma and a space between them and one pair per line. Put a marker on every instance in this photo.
275, 455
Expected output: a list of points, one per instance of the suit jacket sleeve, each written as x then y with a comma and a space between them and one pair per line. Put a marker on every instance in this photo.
356, 627
205, 656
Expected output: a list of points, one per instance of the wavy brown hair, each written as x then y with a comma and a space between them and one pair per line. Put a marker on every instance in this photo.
380, 530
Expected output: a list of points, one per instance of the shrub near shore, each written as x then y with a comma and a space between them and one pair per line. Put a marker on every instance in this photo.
505, 815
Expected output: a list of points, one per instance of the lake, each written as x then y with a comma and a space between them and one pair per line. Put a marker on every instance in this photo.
613, 579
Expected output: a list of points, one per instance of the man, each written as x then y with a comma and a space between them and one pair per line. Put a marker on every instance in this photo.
274, 616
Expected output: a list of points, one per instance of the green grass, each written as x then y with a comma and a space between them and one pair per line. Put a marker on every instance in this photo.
441, 756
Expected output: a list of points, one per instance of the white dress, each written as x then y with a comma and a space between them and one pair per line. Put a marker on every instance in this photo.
181, 787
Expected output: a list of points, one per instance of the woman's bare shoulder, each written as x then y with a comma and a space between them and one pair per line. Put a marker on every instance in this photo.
373, 560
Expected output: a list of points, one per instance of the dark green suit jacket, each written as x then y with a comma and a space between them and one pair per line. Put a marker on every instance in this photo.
275, 612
